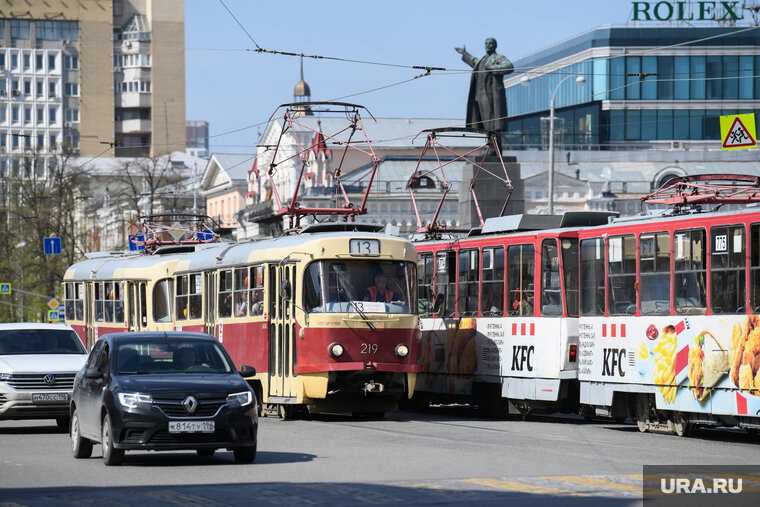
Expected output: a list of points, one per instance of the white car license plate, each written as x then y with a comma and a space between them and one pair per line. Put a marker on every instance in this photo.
191, 427
50, 397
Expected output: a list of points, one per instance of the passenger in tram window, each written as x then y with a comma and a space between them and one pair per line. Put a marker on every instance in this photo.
380, 291
241, 306
195, 307
257, 305
522, 305
225, 308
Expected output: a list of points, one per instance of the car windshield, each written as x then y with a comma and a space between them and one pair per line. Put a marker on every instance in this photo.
40, 341
353, 286
145, 357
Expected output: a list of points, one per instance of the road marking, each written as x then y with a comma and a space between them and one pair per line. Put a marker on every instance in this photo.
522, 487
595, 482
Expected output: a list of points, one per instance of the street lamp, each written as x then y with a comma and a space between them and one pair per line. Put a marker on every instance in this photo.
580, 81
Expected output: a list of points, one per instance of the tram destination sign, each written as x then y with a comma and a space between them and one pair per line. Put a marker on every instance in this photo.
686, 11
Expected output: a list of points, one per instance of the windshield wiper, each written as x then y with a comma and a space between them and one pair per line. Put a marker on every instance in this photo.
342, 292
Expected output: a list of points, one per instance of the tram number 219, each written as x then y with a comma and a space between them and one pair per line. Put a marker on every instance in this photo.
369, 348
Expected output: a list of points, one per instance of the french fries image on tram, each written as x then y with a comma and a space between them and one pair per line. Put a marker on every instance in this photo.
664, 364
708, 362
745, 355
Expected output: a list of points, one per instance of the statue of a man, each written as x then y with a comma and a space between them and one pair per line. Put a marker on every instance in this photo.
487, 101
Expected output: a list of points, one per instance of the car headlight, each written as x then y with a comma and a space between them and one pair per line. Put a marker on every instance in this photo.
402, 350
5, 377
240, 399
336, 350
133, 400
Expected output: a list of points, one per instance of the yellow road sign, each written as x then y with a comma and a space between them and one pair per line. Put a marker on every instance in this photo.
737, 132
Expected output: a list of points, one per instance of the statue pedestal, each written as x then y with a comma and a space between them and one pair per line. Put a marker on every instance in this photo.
491, 192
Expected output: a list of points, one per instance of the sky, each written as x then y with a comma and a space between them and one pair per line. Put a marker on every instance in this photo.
232, 87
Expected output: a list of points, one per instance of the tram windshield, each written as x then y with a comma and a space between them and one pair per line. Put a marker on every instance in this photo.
359, 286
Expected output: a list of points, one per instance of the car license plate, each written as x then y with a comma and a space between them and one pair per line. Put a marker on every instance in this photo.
191, 427
50, 397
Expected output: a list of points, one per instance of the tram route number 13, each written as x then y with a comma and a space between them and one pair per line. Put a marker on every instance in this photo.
364, 246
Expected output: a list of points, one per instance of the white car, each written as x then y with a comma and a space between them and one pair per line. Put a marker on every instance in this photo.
38, 363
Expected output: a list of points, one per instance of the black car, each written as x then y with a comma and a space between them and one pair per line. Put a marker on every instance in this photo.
162, 391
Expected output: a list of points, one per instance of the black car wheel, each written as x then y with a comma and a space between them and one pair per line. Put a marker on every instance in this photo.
245, 454
206, 453
80, 446
111, 455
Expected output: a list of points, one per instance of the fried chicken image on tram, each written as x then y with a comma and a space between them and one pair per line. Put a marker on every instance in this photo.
738, 339
746, 382
751, 354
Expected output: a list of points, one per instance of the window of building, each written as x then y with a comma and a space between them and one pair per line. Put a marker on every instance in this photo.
40, 141
446, 281
40, 115
53, 141
654, 273
689, 271
52, 88
14, 114
38, 66
551, 286
3, 119
52, 112
145, 86
14, 60
71, 89
727, 269
57, 30
521, 269
425, 282
72, 140
51, 61
72, 116
469, 283
14, 141
27, 115
3, 140
492, 300
70, 62
697, 73
40, 86
27, 58
592, 281
19, 28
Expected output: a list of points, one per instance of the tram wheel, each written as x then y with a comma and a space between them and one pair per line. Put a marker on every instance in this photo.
285, 412
681, 425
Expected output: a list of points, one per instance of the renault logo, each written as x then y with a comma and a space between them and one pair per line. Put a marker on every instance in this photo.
49, 379
190, 404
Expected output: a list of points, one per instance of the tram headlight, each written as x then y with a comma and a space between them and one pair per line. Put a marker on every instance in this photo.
402, 350
336, 350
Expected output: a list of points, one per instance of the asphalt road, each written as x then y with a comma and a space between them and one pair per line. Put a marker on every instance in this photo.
445, 456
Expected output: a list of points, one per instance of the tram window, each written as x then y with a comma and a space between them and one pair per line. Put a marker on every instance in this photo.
425, 283
225, 293
98, 293
521, 269
551, 287
654, 274
570, 273
195, 286
69, 305
446, 281
727, 269
118, 289
144, 304
180, 303
469, 278
79, 301
257, 290
241, 292
109, 298
492, 300
754, 269
621, 271
592, 281
689, 271
162, 300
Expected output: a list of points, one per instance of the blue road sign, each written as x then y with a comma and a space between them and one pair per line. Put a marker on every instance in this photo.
52, 246
205, 235
5, 288
136, 237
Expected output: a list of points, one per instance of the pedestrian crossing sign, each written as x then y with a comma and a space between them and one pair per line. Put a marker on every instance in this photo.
53, 316
737, 132
5, 288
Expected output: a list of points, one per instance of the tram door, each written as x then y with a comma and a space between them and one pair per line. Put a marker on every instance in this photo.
209, 297
138, 314
282, 341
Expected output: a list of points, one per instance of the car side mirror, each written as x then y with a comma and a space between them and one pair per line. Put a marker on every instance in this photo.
247, 371
438, 303
285, 291
93, 373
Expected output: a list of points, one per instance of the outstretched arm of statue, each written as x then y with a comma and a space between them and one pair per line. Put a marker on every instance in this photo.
466, 57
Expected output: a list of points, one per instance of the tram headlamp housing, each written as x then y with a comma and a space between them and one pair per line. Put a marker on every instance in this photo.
402, 350
336, 350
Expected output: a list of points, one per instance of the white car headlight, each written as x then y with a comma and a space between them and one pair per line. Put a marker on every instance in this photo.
5, 377
133, 400
240, 399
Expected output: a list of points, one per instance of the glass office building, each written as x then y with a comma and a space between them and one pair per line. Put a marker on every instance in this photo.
652, 87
